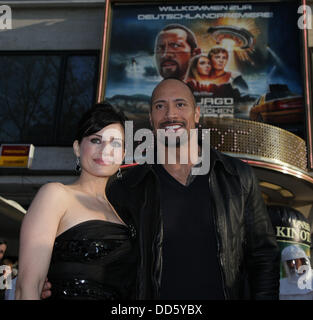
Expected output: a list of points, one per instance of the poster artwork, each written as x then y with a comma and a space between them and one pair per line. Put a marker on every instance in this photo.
293, 235
235, 58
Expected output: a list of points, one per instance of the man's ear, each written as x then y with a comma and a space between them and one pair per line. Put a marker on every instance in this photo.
76, 148
196, 51
197, 114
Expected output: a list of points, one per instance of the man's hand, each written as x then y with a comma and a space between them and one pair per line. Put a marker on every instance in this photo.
46, 292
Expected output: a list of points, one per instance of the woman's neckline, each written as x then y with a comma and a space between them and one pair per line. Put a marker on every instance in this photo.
93, 220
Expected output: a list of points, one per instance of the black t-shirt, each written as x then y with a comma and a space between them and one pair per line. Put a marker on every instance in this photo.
190, 264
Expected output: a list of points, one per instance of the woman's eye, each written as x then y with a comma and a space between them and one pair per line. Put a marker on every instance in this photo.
116, 144
95, 140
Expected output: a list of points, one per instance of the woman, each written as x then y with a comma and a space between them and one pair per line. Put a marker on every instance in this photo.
199, 69
198, 73
71, 232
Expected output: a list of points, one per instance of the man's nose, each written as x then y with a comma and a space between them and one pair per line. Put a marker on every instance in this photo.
171, 111
166, 51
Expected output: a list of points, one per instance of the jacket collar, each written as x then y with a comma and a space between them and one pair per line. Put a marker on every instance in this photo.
138, 173
217, 156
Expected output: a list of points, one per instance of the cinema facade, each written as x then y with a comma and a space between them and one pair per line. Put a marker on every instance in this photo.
62, 56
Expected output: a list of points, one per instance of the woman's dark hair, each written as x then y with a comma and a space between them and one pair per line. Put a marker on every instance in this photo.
2, 241
98, 117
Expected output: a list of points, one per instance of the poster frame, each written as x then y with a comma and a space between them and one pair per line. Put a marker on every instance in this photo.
306, 59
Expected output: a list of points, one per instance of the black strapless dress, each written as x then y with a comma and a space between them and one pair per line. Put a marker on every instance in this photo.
94, 260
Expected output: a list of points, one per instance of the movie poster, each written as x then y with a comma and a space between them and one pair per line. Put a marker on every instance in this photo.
293, 235
241, 60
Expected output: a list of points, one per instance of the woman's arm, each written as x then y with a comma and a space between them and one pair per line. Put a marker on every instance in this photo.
37, 238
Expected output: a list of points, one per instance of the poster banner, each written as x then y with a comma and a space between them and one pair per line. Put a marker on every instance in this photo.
293, 236
241, 60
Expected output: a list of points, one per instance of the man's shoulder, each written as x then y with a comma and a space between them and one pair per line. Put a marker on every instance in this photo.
232, 164
238, 169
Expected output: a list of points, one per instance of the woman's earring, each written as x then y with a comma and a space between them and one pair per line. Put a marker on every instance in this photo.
78, 168
119, 174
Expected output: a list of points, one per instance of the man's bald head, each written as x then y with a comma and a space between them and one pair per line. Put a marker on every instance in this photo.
173, 109
169, 84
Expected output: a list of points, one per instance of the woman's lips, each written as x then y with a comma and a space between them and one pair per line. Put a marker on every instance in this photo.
103, 162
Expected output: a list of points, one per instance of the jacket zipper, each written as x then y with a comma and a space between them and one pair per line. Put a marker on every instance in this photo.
154, 250
219, 259
159, 265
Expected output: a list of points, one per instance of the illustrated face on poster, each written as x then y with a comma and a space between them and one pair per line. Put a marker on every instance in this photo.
241, 60
293, 235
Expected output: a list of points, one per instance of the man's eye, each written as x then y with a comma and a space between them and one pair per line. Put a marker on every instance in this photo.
95, 140
175, 45
180, 104
158, 106
159, 48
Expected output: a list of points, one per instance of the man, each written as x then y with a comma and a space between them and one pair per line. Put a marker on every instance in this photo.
219, 58
200, 237
175, 45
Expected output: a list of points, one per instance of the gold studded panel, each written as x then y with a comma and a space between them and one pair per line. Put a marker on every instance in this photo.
255, 140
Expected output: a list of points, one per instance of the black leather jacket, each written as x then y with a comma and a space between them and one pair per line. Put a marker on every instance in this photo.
248, 252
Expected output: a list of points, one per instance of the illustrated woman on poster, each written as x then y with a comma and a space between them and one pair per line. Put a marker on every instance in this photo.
198, 72
208, 74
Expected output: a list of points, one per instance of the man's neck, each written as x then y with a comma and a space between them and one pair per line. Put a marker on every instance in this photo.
218, 73
179, 170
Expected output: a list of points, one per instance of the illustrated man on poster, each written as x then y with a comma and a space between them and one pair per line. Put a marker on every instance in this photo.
175, 45
219, 57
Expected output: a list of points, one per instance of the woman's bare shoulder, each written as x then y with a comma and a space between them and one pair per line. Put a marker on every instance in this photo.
54, 193
54, 188
50, 202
